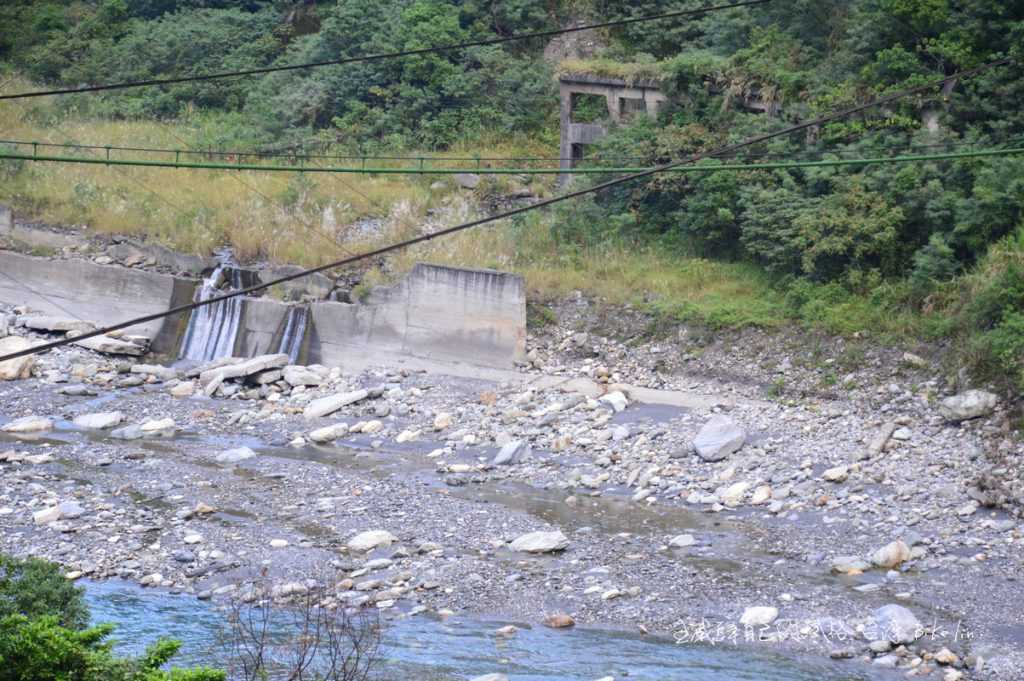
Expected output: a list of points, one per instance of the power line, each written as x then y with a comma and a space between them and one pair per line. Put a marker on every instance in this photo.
516, 211
423, 159
385, 55
981, 153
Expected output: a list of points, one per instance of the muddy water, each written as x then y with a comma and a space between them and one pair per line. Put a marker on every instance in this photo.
421, 648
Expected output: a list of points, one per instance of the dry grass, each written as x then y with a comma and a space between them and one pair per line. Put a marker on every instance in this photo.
306, 219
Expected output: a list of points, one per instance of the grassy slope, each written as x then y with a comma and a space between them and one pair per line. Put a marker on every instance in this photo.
287, 218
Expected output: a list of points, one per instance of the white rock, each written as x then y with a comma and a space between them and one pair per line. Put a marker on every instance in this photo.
278, 543
326, 406
157, 425
99, 421
733, 495
442, 421
329, 433
616, 400
512, 452
183, 389
719, 438
371, 539
682, 541
497, 676
299, 375
837, 474
111, 346
193, 538
47, 515
891, 555
20, 367
407, 436
759, 616
235, 455
541, 542
28, 424
893, 623
968, 405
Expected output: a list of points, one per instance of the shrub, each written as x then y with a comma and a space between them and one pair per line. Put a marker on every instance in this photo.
41, 649
34, 588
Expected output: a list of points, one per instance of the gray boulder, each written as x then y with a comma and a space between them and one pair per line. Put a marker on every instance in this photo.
235, 455
541, 542
719, 438
512, 452
893, 623
968, 405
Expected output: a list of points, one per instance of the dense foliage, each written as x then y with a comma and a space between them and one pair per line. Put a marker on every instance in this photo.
44, 637
427, 101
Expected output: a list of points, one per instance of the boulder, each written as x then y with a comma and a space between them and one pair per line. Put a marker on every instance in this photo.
299, 375
759, 616
512, 452
891, 555
100, 421
325, 406
28, 424
541, 542
111, 346
183, 389
20, 367
158, 425
467, 180
235, 455
849, 565
616, 400
329, 433
968, 405
249, 367
47, 515
837, 474
893, 623
371, 539
682, 541
559, 620
719, 438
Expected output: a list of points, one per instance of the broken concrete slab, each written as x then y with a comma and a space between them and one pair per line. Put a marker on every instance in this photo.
325, 406
111, 346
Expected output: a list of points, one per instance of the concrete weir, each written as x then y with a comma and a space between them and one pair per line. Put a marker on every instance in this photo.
441, 314
437, 313
102, 294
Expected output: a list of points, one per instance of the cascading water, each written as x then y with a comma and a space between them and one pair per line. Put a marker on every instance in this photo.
294, 332
212, 329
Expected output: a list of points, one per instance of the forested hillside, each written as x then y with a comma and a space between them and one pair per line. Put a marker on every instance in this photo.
939, 242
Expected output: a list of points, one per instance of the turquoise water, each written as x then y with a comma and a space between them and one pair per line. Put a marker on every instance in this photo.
420, 647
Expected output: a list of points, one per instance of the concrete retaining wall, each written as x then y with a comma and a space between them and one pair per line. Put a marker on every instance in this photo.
261, 327
438, 313
103, 294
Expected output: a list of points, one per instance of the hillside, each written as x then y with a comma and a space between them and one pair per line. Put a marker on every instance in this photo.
928, 250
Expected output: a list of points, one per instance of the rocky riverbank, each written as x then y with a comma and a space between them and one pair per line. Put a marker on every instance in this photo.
873, 517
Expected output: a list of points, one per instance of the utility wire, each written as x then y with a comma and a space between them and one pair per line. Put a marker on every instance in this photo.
601, 170
367, 158
519, 211
384, 55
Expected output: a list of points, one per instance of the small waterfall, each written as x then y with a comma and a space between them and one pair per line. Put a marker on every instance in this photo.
212, 329
294, 332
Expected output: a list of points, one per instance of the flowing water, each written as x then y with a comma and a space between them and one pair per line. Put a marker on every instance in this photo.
425, 648
294, 333
212, 329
